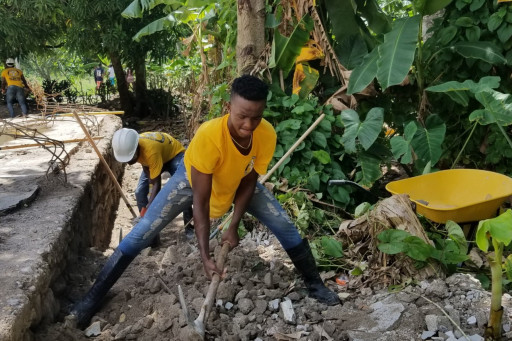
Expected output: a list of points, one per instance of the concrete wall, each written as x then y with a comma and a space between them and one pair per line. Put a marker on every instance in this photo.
49, 233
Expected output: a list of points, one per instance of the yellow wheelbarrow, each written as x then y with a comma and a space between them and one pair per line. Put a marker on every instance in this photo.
461, 195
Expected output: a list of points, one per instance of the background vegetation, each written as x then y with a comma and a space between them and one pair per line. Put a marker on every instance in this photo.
405, 86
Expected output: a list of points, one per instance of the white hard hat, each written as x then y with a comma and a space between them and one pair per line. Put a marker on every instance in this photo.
124, 143
9, 62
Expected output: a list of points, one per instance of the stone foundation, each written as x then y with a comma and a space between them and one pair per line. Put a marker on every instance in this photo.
38, 241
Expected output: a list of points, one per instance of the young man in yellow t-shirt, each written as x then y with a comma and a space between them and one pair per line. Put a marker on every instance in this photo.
13, 84
220, 168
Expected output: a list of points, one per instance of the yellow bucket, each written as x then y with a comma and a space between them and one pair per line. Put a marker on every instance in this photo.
461, 195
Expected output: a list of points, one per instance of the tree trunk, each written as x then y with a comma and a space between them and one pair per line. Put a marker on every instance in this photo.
122, 85
141, 103
251, 34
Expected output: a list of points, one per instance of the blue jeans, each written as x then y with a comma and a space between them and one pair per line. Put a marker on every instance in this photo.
12, 92
142, 190
176, 196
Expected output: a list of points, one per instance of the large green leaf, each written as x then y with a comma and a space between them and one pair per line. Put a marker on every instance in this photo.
351, 52
290, 124
396, 54
504, 33
456, 234
331, 247
500, 228
496, 228
417, 249
391, 241
137, 7
401, 145
156, 26
322, 156
482, 50
497, 108
376, 19
363, 74
342, 15
427, 140
371, 127
449, 252
370, 169
134, 10
286, 49
432, 6
458, 91
367, 131
481, 235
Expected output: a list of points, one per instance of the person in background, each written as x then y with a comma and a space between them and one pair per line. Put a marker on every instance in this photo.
98, 75
220, 168
129, 78
111, 75
157, 153
13, 86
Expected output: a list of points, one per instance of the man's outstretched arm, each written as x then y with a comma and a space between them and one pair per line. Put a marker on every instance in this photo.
243, 196
202, 189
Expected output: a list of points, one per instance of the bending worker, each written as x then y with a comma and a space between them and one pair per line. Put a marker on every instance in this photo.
157, 153
220, 168
13, 83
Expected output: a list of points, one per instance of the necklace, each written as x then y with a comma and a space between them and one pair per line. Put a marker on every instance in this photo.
239, 145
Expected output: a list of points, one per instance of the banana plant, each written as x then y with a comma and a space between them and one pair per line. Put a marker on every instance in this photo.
497, 232
391, 61
188, 12
285, 50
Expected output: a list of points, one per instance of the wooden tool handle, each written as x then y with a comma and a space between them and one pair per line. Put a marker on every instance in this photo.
102, 159
212, 289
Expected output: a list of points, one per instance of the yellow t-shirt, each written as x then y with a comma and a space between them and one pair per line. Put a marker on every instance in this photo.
156, 149
13, 76
212, 151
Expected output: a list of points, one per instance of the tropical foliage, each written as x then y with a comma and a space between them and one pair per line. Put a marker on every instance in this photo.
421, 85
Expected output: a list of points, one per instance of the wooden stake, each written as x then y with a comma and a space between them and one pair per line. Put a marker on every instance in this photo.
47, 143
102, 159
92, 113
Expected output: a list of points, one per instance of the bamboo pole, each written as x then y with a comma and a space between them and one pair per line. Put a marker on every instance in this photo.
102, 159
92, 113
48, 143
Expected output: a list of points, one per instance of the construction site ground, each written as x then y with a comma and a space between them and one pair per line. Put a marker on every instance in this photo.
261, 298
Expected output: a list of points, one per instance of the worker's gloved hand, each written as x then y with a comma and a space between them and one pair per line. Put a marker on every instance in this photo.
210, 268
143, 211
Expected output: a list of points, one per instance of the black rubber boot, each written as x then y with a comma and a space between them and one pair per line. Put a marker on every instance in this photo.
113, 269
304, 262
156, 242
189, 227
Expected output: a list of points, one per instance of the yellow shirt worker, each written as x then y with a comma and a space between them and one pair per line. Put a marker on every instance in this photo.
157, 152
214, 153
13, 83
221, 168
